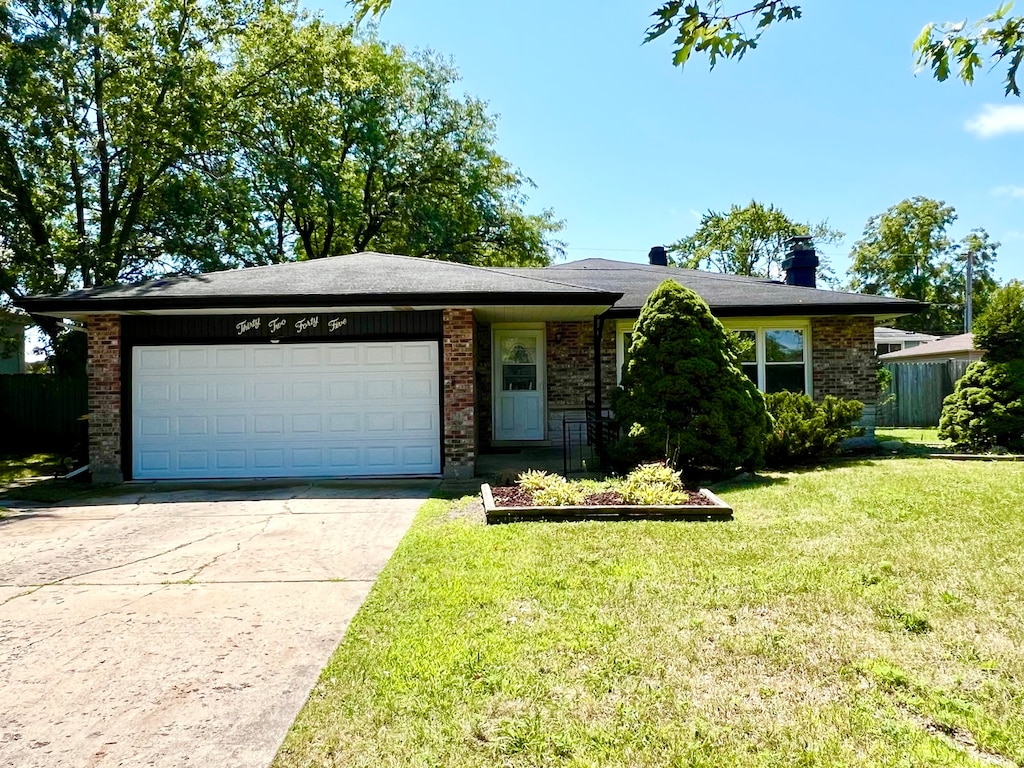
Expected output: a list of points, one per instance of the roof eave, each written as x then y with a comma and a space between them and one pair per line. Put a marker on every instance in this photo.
59, 305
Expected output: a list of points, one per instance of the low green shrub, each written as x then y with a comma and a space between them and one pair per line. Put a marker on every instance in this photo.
803, 431
561, 493
534, 480
653, 484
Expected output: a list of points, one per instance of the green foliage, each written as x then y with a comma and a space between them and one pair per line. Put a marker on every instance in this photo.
684, 397
1000, 328
154, 137
802, 431
965, 48
701, 26
906, 252
986, 409
559, 493
748, 241
653, 484
533, 480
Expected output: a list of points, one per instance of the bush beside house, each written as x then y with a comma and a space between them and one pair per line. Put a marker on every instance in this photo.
802, 431
986, 410
684, 398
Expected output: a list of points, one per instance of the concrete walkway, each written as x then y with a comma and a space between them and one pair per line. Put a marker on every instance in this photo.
181, 628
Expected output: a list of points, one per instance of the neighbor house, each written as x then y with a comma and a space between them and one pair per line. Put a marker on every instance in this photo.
959, 347
12, 342
894, 339
373, 364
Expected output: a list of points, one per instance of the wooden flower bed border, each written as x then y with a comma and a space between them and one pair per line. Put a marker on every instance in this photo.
717, 510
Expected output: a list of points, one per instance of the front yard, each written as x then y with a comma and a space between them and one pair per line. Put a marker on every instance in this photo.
865, 615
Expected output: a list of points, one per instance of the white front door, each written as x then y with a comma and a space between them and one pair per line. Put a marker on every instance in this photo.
519, 389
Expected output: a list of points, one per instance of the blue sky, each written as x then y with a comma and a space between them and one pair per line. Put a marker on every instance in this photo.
826, 119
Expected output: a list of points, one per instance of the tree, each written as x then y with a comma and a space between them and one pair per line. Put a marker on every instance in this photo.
146, 137
986, 408
705, 27
748, 241
906, 252
684, 397
354, 145
102, 103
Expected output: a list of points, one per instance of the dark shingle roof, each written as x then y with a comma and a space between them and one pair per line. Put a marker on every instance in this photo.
727, 295
386, 280
358, 279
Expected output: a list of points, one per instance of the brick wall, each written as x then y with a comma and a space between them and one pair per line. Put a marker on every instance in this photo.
570, 370
104, 366
459, 393
843, 358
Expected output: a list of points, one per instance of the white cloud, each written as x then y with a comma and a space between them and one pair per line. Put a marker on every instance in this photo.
1008, 190
997, 119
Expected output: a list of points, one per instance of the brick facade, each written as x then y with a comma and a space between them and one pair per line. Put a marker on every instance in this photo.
104, 366
843, 358
459, 393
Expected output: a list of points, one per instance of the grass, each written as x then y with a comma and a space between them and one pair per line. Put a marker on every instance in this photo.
865, 615
923, 436
20, 466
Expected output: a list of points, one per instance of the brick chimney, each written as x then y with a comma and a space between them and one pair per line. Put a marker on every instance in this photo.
801, 262
658, 256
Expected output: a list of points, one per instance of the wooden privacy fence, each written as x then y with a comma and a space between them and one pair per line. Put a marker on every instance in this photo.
914, 397
42, 413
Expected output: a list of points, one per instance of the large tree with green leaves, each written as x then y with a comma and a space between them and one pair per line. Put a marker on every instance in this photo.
352, 145
143, 137
907, 252
748, 241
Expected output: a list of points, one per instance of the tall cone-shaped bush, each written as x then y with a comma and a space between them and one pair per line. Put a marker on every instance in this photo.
684, 397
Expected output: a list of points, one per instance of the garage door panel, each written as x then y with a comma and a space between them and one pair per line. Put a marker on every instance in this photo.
342, 409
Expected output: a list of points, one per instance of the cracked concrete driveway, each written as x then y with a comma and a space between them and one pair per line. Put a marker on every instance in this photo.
181, 627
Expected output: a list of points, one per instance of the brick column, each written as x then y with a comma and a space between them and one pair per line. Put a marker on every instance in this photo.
844, 362
105, 398
459, 394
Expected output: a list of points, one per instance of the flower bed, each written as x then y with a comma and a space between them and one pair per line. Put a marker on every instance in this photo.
652, 492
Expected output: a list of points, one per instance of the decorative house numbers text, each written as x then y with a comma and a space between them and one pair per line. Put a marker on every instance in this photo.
279, 326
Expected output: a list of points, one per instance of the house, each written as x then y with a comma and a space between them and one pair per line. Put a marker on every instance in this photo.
12, 342
894, 339
959, 347
374, 364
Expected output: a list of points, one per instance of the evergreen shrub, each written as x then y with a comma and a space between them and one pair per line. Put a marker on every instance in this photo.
802, 431
684, 398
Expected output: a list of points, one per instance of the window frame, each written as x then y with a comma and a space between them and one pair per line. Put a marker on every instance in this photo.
759, 326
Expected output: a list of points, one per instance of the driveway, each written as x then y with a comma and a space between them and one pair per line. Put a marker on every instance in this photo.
181, 627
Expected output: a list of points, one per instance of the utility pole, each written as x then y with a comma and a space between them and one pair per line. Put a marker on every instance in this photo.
968, 303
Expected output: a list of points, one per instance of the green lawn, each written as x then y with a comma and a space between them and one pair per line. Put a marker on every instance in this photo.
19, 466
925, 436
865, 615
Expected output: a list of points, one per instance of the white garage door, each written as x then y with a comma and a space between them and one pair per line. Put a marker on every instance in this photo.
286, 410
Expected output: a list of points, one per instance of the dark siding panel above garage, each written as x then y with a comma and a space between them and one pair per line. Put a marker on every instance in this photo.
315, 326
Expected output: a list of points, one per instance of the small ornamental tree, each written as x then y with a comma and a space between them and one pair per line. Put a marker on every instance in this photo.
986, 408
684, 398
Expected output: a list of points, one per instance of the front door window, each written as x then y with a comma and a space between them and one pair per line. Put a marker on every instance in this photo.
519, 364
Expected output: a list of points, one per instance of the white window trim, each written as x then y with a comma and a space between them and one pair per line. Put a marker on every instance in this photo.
759, 325
622, 327
756, 324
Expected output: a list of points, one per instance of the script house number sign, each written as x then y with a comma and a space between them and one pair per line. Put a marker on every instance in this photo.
290, 325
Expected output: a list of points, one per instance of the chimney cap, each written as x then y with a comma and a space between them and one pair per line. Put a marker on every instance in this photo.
658, 256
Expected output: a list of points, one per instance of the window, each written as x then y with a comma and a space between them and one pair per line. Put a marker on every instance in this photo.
783, 360
748, 356
776, 357
623, 339
884, 349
